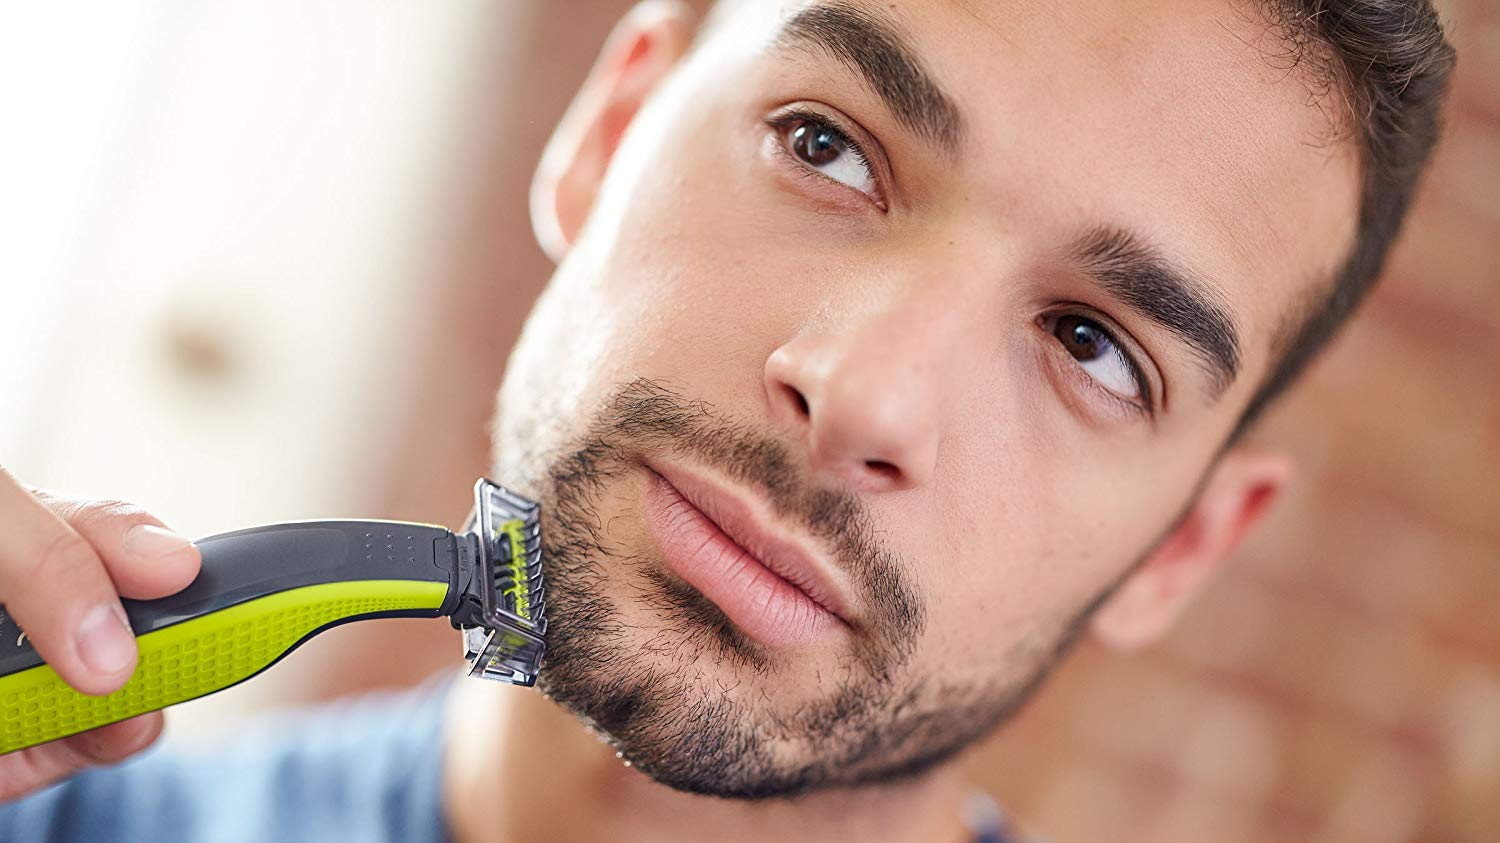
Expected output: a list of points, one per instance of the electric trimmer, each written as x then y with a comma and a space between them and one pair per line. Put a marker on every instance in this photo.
264, 590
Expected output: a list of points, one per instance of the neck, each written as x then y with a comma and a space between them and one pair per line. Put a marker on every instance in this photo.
519, 768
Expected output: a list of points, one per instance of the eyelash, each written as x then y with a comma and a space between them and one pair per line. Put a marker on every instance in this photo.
784, 119
1147, 405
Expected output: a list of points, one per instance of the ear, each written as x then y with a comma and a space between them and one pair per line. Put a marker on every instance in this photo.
1237, 494
638, 55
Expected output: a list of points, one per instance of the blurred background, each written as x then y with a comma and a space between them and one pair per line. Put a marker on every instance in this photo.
265, 261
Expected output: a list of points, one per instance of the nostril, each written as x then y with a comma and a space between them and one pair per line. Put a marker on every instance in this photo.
798, 399
884, 470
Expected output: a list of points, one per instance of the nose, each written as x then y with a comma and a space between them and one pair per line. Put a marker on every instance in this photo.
864, 399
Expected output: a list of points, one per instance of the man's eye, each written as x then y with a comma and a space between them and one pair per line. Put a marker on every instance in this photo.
1096, 352
829, 151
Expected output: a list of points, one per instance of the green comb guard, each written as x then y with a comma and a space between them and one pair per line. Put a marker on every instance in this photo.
264, 590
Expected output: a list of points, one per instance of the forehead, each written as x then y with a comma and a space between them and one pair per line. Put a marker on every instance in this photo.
1182, 119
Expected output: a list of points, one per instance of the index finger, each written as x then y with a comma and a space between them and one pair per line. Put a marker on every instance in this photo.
57, 589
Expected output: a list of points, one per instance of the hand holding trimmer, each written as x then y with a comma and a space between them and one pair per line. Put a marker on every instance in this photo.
264, 590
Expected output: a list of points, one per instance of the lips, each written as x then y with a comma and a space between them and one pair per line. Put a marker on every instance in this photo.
767, 584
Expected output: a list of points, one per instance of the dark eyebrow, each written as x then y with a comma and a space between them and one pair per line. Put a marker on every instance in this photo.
1139, 276
876, 49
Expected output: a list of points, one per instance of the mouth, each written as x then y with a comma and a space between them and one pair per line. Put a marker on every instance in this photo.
722, 544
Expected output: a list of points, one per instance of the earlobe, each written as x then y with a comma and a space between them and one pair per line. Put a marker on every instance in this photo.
1237, 494
638, 55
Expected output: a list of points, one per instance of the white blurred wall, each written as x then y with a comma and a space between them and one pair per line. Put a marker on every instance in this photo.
218, 217
223, 229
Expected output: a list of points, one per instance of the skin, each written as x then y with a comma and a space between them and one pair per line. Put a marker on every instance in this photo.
898, 352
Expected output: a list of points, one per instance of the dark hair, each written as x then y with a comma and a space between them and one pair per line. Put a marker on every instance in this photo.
1390, 62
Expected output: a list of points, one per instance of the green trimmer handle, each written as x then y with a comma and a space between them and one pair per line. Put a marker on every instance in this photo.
261, 592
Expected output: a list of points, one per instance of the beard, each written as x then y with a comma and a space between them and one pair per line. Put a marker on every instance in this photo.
672, 695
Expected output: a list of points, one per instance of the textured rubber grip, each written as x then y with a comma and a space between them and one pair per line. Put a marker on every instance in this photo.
202, 655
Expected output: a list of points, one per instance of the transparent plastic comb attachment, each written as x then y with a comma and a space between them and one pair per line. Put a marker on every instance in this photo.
506, 640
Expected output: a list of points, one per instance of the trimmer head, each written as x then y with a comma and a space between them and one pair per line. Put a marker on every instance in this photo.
503, 609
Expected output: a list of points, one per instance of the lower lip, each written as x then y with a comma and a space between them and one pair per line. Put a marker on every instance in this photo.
762, 604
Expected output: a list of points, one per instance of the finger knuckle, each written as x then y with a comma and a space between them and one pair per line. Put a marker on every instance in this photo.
114, 508
63, 506
46, 496
106, 512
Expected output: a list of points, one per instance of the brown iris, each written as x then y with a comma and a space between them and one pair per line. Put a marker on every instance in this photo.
817, 145
1082, 338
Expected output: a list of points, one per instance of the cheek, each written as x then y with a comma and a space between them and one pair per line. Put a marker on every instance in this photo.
687, 272
1021, 533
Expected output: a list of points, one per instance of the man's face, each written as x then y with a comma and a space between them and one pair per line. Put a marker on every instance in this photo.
894, 339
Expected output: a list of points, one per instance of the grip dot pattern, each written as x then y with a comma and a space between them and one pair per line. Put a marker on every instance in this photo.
197, 657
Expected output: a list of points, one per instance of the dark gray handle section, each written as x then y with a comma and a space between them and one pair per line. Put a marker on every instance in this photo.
247, 564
